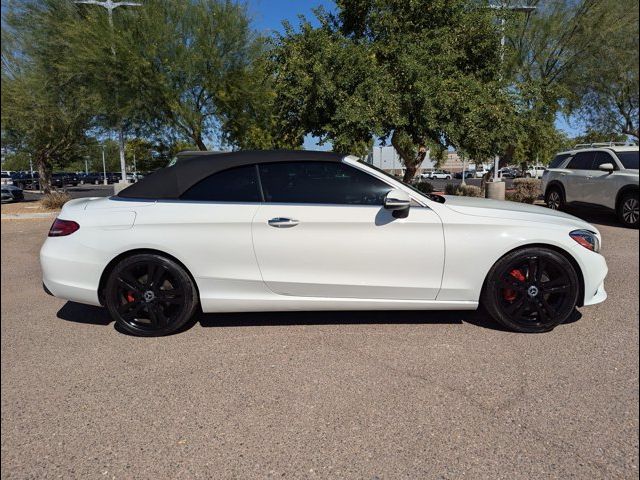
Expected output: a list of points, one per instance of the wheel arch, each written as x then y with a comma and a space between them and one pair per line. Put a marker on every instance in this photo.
548, 246
558, 184
623, 191
136, 251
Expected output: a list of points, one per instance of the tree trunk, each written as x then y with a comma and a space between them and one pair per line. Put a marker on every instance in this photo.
44, 172
199, 142
409, 172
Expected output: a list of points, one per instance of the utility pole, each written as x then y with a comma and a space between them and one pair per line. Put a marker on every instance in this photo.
503, 40
464, 168
110, 5
104, 168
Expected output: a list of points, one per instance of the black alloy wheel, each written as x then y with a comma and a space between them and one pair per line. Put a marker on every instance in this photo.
150, 295
531, 290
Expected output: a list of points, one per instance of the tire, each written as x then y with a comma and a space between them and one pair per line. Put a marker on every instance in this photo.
139, 299
531, 290
627, 210
554, 198
448, 177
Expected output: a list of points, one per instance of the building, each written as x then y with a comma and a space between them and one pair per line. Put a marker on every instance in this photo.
387, 159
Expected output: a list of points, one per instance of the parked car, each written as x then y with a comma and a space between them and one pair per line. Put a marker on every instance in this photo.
440, 175
6, 178
508, 172
64, 179
480, 173
467, 174
302, 230
535, 172
26, 180
11, 193
601, 175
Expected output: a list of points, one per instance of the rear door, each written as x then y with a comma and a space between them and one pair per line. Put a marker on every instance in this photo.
577, 176
323, 232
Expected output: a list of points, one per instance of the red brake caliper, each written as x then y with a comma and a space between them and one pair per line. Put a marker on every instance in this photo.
130, 297
508, 294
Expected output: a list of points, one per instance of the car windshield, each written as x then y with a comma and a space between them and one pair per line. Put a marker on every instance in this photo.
435, 198
629, 160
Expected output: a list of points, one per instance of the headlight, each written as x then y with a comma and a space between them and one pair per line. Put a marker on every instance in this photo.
587, 239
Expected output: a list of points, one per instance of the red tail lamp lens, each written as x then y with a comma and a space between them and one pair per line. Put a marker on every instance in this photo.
62, 228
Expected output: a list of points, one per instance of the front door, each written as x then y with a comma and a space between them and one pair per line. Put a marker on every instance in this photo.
323, 232
578, 177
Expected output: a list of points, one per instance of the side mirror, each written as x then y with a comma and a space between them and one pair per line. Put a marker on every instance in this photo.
398, 201
607, 167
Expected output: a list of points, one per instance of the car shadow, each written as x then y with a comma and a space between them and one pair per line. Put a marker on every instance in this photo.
594, 215
87, 314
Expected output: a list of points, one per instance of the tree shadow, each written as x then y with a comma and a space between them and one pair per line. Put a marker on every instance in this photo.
87, 314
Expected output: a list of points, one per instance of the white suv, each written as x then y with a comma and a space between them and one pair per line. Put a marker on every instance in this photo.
605, 175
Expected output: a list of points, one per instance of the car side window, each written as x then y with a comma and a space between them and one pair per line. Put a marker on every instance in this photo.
239, 184
602, 158
556, 162
581, 161
320, 183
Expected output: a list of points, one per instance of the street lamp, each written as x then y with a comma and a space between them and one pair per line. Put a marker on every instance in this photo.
104, 168
110, 5
503, 40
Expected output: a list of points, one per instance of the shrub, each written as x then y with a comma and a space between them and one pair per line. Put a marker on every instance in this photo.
469, 191
525, 190
424, 187
55, 200
450, 189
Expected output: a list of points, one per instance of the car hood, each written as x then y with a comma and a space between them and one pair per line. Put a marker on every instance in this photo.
484, 207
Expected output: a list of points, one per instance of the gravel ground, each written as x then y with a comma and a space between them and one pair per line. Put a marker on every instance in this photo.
370, 395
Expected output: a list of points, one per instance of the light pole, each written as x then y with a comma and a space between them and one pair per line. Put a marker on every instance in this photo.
104, 168
110, 5
464, 168
503, 40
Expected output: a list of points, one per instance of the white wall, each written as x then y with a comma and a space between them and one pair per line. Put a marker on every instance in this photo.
388, 159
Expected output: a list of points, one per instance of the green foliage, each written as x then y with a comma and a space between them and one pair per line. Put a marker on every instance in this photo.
424, 187
607, 87
44, 112
525, 190
413, 73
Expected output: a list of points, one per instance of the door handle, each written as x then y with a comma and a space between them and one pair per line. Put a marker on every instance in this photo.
282, 222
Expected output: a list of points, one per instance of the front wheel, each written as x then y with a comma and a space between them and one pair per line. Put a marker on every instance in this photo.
531, 290
149, 295
629, 210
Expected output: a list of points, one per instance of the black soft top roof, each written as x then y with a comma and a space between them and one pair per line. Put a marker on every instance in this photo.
171, 182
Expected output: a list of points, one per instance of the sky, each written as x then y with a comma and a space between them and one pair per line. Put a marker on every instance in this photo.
268, 15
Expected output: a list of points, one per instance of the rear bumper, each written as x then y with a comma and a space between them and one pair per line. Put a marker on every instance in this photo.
69, 272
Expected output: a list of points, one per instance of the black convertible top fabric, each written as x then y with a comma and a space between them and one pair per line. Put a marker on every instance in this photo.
171, 182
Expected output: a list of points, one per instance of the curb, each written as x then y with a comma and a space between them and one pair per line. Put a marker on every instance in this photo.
26, 216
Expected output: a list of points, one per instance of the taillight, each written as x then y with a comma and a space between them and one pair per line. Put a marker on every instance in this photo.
62, 228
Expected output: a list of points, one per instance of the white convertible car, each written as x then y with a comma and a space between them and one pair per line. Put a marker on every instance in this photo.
300, 230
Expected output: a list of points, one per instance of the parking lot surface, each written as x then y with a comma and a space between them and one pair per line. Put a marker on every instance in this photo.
317, 395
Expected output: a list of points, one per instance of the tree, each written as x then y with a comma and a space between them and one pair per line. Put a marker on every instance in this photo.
44, 112
607, 85
563, 58
201, 74
412, 73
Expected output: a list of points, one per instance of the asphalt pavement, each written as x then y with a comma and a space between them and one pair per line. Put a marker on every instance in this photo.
372, 395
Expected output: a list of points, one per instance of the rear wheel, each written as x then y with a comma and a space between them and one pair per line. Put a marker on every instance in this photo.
554, 198
150, 295
531, 290
629, 209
